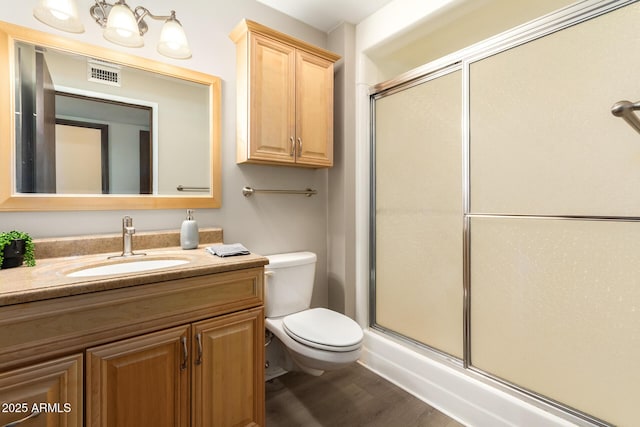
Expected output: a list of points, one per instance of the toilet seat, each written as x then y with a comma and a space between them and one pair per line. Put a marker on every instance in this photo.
323, 329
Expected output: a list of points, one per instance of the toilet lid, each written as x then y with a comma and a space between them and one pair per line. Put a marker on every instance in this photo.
323, 329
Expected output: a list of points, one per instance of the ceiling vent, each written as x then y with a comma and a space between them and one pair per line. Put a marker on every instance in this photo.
104, 72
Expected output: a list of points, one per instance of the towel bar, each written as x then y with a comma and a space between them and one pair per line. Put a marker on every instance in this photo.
185, 188
248, 191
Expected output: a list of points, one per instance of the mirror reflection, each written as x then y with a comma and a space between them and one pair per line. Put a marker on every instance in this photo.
89, 126
101, 147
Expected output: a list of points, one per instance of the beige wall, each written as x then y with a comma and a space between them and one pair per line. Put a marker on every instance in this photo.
341, 208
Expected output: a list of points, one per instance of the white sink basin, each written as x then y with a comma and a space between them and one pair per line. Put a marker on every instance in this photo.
128, 266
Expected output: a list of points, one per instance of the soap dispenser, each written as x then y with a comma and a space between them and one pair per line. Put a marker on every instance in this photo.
189, 237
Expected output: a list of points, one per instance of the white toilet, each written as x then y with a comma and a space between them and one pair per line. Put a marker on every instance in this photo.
315, 339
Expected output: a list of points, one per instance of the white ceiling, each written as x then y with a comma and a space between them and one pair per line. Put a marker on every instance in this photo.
325, 15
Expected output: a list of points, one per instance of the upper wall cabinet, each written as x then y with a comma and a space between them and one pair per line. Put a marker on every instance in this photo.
285, 99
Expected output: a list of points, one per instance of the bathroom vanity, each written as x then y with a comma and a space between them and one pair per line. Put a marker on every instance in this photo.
177, 346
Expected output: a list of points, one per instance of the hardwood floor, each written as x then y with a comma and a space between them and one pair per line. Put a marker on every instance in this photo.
349, 397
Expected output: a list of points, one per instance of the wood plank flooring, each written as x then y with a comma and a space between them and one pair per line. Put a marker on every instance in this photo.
350, 397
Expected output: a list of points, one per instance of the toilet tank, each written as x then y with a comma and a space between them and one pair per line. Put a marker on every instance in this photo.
289, 283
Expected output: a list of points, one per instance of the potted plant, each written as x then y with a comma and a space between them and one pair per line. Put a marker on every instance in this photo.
16, 247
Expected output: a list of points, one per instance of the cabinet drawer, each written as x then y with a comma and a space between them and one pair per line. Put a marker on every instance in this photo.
44, 328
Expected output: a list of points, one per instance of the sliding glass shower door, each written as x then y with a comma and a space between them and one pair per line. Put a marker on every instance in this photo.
506, 212
418, 210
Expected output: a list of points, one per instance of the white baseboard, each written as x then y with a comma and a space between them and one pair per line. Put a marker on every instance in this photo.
453, 391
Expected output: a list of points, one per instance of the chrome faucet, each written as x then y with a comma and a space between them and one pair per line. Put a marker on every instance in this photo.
128, 230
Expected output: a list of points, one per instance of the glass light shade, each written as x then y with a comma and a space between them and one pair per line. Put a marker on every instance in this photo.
173, 41
60, 14
122, 27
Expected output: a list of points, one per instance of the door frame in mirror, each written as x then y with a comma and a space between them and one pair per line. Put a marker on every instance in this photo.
12, 201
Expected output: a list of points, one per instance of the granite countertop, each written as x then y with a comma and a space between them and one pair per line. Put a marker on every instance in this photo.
48, 279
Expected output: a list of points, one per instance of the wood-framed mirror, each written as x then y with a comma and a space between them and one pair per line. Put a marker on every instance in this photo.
153, 129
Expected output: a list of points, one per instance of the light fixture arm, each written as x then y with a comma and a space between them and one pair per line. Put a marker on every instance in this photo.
100, 11
141, 12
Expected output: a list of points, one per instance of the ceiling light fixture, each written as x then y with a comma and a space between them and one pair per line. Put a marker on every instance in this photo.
122, 25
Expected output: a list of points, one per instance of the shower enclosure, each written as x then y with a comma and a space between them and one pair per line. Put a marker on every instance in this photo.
505, 212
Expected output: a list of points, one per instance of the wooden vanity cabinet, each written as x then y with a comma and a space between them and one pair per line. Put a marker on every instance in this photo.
183, 352
285, 99
47, 394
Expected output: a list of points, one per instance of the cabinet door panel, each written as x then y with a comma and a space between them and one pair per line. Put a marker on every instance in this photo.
314, 110
57, 383
228, 378
141, 381
272, 107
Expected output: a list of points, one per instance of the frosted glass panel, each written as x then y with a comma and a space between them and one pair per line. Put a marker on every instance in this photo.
543, 139
419, 213
555, 308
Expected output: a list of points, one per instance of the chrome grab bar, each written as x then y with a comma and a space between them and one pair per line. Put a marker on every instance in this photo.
625, 109
248, 191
